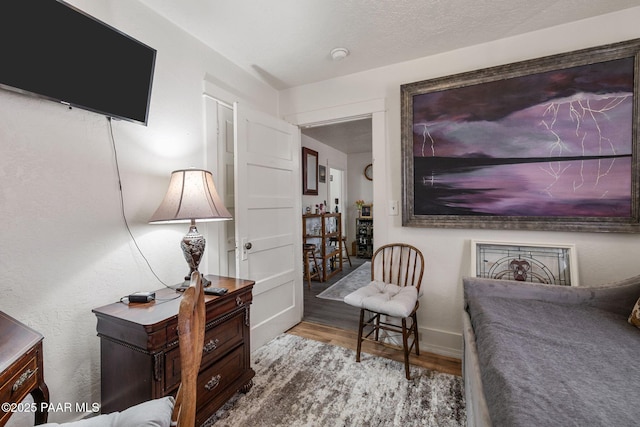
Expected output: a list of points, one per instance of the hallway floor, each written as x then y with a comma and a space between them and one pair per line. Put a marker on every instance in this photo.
329, 312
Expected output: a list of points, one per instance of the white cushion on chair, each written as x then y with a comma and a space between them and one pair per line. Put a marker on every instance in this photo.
398, 301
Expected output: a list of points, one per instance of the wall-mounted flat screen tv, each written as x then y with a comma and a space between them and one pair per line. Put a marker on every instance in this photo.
51, 49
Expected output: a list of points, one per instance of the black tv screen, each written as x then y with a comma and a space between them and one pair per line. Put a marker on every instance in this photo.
53, 50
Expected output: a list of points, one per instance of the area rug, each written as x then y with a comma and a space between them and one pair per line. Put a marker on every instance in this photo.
358, 278
301, 382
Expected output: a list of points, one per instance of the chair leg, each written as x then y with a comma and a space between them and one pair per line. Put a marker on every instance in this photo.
309, 255
315, 262
360, 329
405, 345
307, 267
415, 333
377, 327
344, 247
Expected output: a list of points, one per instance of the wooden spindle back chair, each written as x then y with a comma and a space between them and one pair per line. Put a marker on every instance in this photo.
399, 264
191, 323
401, 267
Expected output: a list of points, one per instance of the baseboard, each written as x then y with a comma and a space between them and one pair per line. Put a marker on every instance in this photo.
441, 342
434, 341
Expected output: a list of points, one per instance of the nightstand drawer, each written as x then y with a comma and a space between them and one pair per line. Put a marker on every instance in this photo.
220, 375
223, 338
217, 341
21, 382
21, 368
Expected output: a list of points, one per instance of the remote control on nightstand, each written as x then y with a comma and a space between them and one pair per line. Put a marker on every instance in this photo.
215, 291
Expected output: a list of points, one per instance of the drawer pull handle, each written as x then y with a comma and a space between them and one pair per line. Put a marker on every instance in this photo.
213, 383
239, 301
210, 346
23, 379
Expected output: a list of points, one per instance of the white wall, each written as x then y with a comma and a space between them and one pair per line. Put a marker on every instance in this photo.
329, 157
359, 188
63, 246
601, 256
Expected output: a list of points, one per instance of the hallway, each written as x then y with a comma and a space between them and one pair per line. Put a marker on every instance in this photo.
328, 312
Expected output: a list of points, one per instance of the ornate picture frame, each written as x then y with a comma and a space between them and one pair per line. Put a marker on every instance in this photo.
554, 264
544, 144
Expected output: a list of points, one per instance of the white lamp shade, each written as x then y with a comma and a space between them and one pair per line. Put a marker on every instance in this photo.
191, 196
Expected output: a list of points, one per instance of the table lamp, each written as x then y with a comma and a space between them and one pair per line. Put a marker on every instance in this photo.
191, 196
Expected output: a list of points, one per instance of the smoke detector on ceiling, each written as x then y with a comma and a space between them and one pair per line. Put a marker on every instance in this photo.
339, 53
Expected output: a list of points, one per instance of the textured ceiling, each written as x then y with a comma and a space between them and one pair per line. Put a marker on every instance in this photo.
287, 43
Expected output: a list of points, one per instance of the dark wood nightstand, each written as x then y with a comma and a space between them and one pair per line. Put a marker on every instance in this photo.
140, 357
21, 368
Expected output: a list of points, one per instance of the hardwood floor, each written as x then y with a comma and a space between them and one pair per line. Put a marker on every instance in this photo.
328, 312
348, 339
335, 322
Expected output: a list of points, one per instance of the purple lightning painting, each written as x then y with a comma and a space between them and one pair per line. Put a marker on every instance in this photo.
544, 144
553, 144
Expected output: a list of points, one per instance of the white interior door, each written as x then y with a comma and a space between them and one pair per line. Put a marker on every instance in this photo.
268, 217
220, 253
226, 165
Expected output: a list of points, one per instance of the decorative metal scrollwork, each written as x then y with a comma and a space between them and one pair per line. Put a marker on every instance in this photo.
210, 346
213, 383
23, 379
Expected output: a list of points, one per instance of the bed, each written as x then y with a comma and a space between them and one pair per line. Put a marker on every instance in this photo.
539, 354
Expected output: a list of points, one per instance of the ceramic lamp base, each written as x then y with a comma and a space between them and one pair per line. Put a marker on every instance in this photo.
193, 244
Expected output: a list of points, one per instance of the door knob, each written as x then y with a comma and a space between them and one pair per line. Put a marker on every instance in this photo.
248, 245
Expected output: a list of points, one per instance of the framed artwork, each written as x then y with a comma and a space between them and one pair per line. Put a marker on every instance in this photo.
366, 211
545, 144
553, 264
322, 173
309, 172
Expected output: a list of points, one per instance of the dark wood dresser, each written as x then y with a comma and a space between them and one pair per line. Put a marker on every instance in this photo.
140, 357
21, 369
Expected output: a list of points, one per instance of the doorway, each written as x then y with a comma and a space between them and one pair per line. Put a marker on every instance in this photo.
336, 192
346, 148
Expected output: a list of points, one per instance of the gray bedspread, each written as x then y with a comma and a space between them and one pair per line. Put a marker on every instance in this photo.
551, 364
